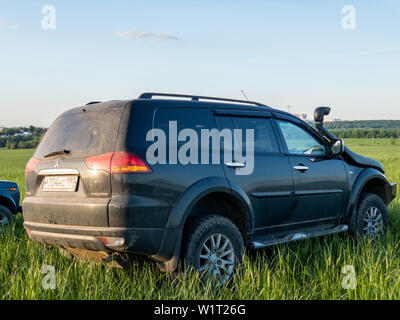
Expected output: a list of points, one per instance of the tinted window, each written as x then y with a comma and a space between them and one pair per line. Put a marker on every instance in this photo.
264, 137
299, 141
186, 118
83, 133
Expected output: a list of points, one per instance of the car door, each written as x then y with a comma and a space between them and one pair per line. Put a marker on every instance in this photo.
320, 181
269, 186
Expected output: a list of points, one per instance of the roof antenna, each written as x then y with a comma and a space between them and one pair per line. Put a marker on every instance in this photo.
244, 95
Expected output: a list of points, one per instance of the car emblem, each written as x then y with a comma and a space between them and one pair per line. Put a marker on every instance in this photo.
57, 165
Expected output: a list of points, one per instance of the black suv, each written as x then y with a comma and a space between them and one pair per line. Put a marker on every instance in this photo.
92, 185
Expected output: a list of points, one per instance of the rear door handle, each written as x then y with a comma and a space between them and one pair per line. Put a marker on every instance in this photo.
235, 165
301, 168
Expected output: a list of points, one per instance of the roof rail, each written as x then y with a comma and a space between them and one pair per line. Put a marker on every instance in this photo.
150, 95
93, 102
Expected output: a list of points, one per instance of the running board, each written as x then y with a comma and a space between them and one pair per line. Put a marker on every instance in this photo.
262, 242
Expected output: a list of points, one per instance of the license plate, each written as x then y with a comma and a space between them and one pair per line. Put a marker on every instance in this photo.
60, 183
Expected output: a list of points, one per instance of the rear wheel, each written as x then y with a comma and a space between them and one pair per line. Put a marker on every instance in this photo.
6, 217
372, 217
214, 247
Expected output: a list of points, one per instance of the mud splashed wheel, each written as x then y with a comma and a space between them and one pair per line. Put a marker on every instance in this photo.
372, 218
217, 258
373, 222
213, 245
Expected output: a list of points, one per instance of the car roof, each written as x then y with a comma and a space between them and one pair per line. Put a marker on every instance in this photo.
178, 100
217, 104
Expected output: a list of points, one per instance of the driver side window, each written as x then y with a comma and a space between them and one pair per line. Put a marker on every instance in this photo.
299, 141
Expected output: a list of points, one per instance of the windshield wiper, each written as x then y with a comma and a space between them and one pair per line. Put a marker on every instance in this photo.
54, 153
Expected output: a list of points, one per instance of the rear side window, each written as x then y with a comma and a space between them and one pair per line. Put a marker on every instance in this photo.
83, 133
186, 118
264, 137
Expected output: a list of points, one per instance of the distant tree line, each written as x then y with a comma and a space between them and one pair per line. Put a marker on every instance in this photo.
366, 133
363, 124
21, 137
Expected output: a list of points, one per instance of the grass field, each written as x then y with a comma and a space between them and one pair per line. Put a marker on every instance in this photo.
304, 270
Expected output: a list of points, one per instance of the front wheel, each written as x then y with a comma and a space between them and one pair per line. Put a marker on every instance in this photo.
214, 247
372, 217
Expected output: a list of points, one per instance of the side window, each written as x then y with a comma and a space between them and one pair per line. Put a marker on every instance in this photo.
264, 137
299, 141
186, 118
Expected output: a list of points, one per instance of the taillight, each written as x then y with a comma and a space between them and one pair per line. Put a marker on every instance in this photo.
100, 162
126, 162
118, 162
31, 165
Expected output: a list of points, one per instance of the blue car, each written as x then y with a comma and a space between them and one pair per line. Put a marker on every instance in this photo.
9, 202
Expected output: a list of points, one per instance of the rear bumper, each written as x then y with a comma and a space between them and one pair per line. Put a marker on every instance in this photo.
145, 241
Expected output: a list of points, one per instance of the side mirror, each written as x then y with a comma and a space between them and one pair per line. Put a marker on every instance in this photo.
337, 147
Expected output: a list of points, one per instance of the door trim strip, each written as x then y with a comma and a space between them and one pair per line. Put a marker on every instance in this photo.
317, 192
279, 194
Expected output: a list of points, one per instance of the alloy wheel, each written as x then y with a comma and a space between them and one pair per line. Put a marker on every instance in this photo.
373, 222
217, 258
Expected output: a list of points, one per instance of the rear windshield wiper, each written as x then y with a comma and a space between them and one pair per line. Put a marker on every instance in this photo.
54, 153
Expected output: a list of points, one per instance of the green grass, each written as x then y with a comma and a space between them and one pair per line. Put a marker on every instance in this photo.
12, 166
304, 270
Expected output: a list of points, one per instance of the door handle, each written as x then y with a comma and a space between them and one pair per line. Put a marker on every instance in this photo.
301, 168
235, 165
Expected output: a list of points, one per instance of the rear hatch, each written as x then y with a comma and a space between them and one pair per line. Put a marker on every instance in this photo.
62, 185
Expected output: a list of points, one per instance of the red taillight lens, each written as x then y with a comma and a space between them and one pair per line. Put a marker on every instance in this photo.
100, 162
118, 162
31, 165
126, 162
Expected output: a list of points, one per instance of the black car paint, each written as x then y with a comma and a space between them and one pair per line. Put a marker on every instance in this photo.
10, 197
150, 210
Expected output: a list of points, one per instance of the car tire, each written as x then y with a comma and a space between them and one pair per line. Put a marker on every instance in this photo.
372, 217
6, 217
213, 246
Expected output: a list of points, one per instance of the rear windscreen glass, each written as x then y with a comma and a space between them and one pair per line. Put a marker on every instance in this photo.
83, 134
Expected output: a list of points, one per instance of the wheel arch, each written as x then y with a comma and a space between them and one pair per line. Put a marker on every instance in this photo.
372, 181
206, 188
8, 202
170, 251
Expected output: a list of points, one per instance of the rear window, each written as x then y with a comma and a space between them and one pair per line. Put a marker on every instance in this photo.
84, 134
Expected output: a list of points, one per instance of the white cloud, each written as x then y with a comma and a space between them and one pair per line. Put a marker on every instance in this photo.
147, 35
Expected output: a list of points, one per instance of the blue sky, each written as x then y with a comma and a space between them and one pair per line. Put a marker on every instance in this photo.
279, 52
